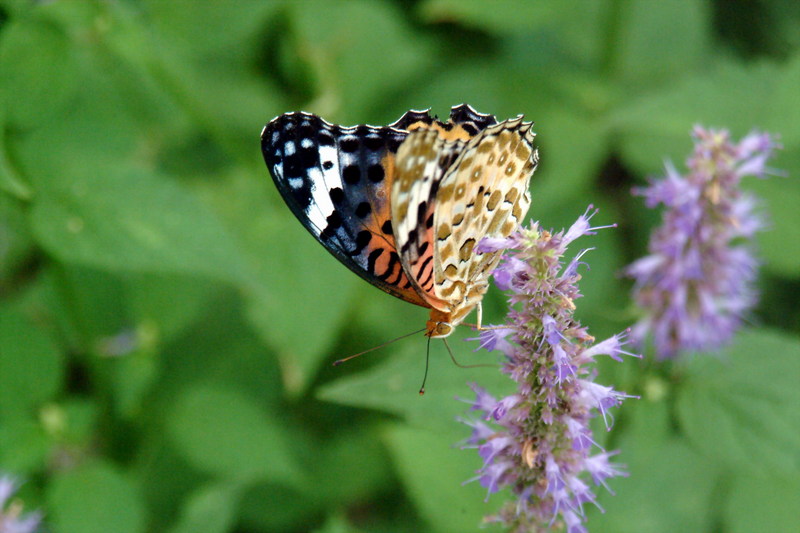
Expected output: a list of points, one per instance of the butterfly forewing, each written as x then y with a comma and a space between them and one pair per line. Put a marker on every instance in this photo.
335, 180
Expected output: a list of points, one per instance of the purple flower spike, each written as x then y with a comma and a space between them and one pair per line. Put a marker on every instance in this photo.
697, 283
537, 442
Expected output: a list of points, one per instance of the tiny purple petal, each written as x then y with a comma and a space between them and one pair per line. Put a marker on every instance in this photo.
480, 432
493, 474
572, 268
600, 468
483, 400
551, 332
553, 473
493, 339
580, 227
503, 406
8, 486
505, 274
494, 446
493, 244
612, 347
574, 522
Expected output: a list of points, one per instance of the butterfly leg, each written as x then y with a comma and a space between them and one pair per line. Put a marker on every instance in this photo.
479, 325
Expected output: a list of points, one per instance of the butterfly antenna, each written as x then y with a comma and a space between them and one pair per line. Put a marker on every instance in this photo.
459, 365
340, 361
427, 360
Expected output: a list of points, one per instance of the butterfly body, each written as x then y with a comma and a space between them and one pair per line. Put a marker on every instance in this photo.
404, 205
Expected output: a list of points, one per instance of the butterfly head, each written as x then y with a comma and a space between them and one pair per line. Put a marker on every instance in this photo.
439, 325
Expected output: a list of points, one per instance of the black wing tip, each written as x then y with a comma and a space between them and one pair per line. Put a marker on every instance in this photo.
412, 116
466, 114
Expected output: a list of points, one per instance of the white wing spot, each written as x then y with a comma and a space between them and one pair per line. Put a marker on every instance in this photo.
331, 177
321, 198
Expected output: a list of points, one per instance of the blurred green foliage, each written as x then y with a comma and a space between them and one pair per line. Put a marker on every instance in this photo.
167, 327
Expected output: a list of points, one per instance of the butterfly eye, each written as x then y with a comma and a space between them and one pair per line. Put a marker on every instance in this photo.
439, 329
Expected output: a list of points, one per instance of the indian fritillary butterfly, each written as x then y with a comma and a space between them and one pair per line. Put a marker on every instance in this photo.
404, 205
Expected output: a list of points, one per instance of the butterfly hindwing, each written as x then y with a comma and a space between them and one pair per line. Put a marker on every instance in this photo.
483, 194
337, 182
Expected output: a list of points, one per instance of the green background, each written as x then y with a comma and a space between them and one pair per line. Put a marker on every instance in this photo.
167, 326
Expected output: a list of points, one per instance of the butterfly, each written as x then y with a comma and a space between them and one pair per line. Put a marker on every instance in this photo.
404, 205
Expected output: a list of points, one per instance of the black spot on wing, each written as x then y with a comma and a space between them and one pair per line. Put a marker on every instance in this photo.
351, 174
375, 173
363, 209
337, 196
349, 145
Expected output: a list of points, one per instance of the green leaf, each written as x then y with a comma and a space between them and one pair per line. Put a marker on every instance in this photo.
779, 243
227, 26
337, 523
224, 433
133, 375
499, 16
669, 489
24, 447
135, 221
344, 40
659, 41
572, 148
668, 486
223, 349
354, 450
33, 91
10, 179
302, 307
657, 126
741, 410
302, 294
31, 366
167, 303
393, 386
15, 238
87, 303
72, 423
759, 503
434, 470
210, 509
270, 507
95, 498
